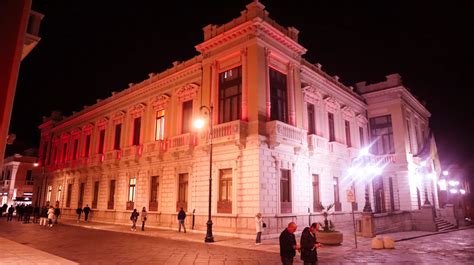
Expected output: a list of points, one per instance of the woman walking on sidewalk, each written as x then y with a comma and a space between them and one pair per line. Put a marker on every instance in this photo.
144, 214
259, 228
50, 216
134, 218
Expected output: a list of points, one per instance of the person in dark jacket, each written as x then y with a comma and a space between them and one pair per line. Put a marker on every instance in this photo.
309, 245
57, 212
79, 212
288, 245
134, 218
87, 210
181, 218
10, 213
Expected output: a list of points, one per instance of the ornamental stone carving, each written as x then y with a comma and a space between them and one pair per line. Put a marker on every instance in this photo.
102, 122
311, 94
348, 113
119, 116
361, 119
88, 127
160, 102
187, 92
137, 110
332, 104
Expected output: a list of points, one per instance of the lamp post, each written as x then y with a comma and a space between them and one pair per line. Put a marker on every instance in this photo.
199, 124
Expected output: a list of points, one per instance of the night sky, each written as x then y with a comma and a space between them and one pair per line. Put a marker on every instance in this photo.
91, 48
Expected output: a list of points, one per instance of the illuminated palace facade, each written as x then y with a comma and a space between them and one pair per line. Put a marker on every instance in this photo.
284, 135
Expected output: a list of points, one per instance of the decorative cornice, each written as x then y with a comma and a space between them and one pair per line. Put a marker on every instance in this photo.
361, 119
88, 127
118, 116
160, 102
102, 122
187, 92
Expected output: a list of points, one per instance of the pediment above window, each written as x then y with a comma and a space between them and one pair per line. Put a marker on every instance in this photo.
348, 113
160, 102
361, 119
311, 94
187, 92
88, 127
137, 110
118, 116
102, 122
332, 104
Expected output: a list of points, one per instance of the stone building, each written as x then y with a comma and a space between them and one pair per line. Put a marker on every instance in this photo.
284, 136
17, 179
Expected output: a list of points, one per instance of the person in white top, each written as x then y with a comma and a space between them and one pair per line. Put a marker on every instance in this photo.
258, 228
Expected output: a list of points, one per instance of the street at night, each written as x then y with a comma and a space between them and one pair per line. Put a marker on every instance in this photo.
95, 246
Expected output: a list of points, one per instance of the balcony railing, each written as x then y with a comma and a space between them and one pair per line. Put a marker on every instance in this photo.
114, 155
384, 159
282, 133
338, 149
317, 143
229, 132
181, 142
132, 152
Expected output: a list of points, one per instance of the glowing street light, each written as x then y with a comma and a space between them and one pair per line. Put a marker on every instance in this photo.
445, 173
199, 124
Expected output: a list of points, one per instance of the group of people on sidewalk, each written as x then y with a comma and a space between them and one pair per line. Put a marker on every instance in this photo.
24, 213
288, 246
134, 218
86, 211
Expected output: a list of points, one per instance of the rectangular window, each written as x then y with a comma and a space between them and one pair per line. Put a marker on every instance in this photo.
29, 175
316, 194
311, 119
48, 197
88, 145
361, 137
187, 116
58, 196
337, 202
278, 96
381, 133
81, 195
183, 192
101, 141
347, 125
230, 95
285, 191
409, 136
160, 125
131, 189
332, 132
75, 149
136, 130
118, 134
63, 159
111, 202
95, 199
224, 204
69, 193
154, 186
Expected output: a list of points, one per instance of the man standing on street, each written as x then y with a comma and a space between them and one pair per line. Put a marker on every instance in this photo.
309, 245
57, 212
87, 210
10, 213
79, 212
288, 244
181, 218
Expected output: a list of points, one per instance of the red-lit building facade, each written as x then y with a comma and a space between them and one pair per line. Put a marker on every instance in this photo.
284, 135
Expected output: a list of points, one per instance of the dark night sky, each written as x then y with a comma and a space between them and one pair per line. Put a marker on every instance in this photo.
91, 48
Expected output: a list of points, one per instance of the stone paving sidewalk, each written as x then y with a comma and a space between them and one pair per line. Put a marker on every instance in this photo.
12, 252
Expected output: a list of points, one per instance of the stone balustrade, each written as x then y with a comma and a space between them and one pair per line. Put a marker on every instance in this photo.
281, 133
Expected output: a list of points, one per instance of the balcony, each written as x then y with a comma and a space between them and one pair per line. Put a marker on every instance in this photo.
182, 142
132, 153
234, 131
384, 159
153, 149
112, 156
317, 143
281, 133
97, 160
338, 149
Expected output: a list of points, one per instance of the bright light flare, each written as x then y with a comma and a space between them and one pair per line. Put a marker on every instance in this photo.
35, 164
462, 191
364, 151
445, 173
199, 123
453, 191
453, 183
442, 184
423, 163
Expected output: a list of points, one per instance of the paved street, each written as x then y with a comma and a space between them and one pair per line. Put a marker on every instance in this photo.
97, 246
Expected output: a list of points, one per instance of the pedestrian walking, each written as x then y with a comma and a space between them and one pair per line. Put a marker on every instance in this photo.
288, 245
10, 213
50, 216
309, 245
86, 210
144, 215
181, 218
134, 218
28, 211
19, 212
259, 228
79, 212
57, 212
3, 209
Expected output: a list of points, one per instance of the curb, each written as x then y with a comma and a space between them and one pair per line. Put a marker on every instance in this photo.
435, 233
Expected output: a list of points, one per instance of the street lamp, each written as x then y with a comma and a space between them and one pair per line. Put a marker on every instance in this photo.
199, 124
